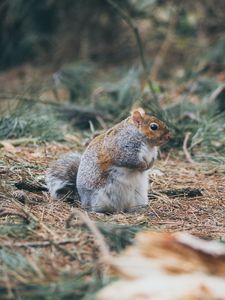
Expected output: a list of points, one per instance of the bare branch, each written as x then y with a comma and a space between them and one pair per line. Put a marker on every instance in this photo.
126, 17
187, 154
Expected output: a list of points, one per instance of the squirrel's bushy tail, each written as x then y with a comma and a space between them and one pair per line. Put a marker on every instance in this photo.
61, 177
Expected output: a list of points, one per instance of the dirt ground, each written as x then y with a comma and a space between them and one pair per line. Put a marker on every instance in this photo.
51, 238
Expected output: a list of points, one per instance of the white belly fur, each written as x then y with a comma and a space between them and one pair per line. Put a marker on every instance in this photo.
126, 190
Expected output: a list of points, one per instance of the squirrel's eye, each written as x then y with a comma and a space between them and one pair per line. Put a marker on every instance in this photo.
154, 126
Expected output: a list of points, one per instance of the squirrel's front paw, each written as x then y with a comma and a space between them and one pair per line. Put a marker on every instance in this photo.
147, 165
151, 163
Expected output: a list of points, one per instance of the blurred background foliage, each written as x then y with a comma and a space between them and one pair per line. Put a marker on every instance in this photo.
77, 64
58, 32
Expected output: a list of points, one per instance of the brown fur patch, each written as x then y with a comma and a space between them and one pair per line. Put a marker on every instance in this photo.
155, 137
105, 155
104, 159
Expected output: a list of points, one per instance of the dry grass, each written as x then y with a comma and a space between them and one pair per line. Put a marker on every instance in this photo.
50, 249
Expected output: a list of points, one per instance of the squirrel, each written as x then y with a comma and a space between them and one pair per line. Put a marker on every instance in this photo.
112, 173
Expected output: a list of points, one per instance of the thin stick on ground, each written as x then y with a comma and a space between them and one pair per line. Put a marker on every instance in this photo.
40, 244
103, 247
185, 149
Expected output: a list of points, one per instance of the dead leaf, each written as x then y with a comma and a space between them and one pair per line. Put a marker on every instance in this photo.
168, 266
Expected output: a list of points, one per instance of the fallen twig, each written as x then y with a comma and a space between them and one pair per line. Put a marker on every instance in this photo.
187, 154
216, 92
185, 192
36, 244
93, 228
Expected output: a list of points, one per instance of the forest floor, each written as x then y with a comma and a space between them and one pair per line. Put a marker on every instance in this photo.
44, 243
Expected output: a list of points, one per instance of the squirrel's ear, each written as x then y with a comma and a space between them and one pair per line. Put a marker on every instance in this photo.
137, 115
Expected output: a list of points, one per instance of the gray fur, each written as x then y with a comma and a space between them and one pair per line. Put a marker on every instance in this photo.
122, 192
61, 176
128, 143
122, 186
112, 191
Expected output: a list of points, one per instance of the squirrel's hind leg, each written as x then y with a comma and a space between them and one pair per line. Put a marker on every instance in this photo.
97, 201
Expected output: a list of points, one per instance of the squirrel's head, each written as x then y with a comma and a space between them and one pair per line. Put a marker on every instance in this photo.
154, 129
